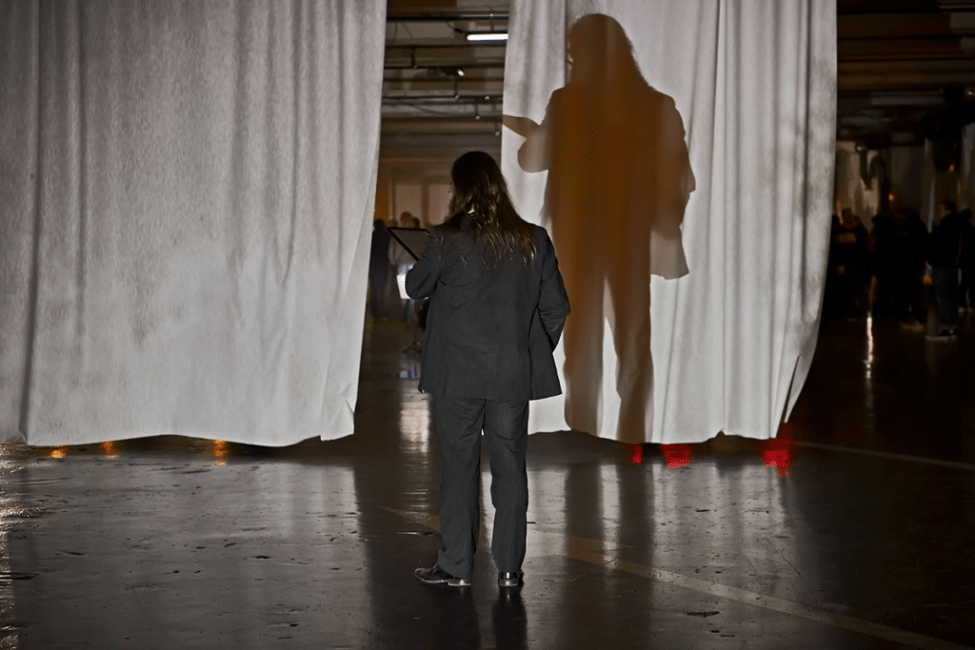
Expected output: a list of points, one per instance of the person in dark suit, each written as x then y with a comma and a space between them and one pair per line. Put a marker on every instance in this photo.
944, 251
966, 261
497, 308
379, 269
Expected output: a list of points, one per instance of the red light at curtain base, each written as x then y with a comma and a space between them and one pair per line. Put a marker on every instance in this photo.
776, 454
636, 454
677, 455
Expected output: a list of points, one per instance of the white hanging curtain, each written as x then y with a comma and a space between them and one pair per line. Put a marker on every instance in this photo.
681, 153
187, 196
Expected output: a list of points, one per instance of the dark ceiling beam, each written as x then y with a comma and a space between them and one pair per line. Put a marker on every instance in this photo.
439, 88
903, 75
896, 6
409, 91
902, 69
446, 73
438, 126
443, 83
446, 15
481, 98
441, 43
906, 68
878, 49
906, 25
436, 64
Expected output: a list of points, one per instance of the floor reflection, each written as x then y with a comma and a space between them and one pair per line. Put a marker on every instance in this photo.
177, 542
415, 425
510, 620
869, 423
9, 633
221, 450
458, 618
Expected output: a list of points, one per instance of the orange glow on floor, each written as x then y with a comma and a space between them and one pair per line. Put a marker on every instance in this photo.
220, 449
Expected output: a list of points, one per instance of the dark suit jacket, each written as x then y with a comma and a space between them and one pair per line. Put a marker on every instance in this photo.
492, 327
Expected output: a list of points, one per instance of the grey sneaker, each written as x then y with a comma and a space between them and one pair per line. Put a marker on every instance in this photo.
437, 576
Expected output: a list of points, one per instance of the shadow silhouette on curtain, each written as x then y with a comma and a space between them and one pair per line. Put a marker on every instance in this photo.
619, 177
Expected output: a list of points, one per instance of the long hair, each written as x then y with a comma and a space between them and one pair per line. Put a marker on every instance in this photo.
481, 191
602, 53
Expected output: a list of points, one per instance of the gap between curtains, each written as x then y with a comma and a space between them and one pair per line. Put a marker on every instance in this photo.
187, 190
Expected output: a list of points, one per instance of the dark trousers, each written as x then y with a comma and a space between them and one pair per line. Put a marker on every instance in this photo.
966, 290
945, 282
505, 425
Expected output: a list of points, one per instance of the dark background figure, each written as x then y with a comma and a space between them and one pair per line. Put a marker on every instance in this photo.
966, 261
915, 235
943, 255
832, 296
401, 261
379, 269
888, 254
619, 178
852, 259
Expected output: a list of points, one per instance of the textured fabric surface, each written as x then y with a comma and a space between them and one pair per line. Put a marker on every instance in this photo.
681, 154
186, 203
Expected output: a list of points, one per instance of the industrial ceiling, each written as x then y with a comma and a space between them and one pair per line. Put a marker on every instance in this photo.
906, 71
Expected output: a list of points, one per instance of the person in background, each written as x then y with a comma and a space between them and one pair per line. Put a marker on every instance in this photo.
497, 308
379, 269
402, 262
832, 301
966, 261
852, 260
915, 235
944, 252
888, 266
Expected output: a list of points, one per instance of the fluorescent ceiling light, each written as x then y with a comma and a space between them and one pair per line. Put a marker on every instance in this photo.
487, 36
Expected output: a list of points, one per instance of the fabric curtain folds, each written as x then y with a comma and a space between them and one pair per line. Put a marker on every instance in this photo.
681, 153
187, 196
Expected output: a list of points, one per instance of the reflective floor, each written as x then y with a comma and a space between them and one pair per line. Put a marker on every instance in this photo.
857, 535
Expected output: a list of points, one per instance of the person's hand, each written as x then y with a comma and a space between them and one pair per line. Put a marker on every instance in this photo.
532, 155
523, 126
927, 280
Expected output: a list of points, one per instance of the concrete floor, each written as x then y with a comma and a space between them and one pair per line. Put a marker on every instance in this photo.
858, 535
